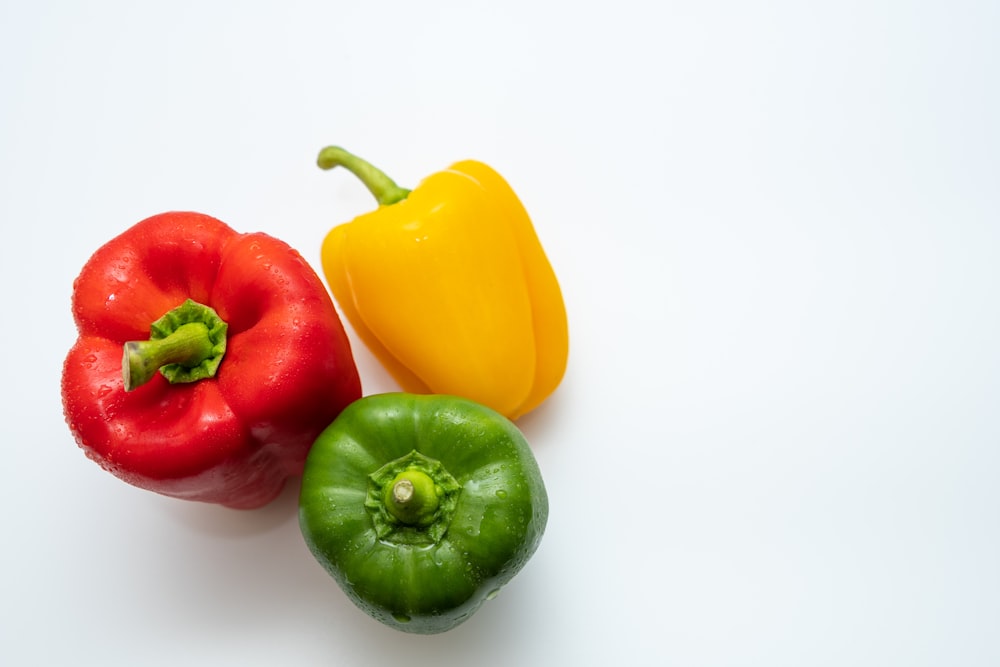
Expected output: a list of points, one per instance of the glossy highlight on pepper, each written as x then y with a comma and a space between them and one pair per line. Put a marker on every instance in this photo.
207, 360
449, 287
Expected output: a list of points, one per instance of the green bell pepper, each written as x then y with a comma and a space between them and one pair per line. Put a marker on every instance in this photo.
421, 507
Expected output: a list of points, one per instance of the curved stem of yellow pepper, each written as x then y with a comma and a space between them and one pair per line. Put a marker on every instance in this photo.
384, 189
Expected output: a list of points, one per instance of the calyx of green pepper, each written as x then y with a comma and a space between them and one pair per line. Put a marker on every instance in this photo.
185, 345
412, 499
383, 188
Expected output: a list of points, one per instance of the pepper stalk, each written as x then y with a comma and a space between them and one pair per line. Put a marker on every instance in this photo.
383, 188
185, 345
412, 498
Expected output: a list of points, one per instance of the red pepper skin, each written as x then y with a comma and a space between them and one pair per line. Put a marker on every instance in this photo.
287, 372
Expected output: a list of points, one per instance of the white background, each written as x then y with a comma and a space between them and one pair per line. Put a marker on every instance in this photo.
777, 229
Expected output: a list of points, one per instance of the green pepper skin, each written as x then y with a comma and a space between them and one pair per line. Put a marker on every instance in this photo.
432, 575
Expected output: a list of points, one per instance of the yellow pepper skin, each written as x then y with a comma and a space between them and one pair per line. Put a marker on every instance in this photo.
449, 286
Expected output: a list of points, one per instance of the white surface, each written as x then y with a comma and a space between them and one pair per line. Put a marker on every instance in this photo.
777, 229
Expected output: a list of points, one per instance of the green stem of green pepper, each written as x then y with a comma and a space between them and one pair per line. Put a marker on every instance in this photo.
383, 188
412, 498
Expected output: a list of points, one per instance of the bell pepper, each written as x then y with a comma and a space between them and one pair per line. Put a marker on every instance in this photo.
449, 286
421, 507
244, 361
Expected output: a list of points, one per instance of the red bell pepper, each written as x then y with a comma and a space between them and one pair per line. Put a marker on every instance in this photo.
255, 361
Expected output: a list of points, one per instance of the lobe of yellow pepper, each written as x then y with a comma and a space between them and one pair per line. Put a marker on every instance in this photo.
451, 290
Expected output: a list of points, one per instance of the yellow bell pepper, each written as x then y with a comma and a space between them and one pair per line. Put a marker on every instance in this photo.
449, 287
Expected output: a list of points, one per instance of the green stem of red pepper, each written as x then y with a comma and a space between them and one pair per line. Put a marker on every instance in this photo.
384, 189
186, 345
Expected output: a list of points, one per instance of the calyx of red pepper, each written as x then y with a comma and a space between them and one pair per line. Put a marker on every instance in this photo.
383, 188
412, 499
185, 345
